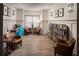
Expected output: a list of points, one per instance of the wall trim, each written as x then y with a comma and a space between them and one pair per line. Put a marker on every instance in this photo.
57, 20
62, 20
9, 20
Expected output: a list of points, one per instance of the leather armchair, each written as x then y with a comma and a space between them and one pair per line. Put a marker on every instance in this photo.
37, 30
27, 30
12, 41
15, 42
65, 49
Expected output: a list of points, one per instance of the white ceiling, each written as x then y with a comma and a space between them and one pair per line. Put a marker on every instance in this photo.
30, 6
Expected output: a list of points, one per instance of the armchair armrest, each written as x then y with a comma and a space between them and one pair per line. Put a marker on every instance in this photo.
67, 45
17, 37
63, 47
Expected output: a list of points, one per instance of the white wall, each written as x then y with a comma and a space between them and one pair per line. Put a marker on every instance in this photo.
12, 17
44, 21
67, 16
19, 16
69, 19
31, 12
9, 21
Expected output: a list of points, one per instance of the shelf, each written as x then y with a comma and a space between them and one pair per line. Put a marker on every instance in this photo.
58, 31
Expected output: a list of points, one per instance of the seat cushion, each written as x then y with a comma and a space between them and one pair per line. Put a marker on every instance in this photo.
63, 41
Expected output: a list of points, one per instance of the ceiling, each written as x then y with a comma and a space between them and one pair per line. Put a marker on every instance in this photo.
30, 6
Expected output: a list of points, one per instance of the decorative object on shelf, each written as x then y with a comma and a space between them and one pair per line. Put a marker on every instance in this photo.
61, 12
64, 26
56, 13
9, 11
71, 8
60, 26
13, 12
5, 10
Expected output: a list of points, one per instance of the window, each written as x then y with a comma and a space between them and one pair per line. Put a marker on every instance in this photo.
32, 21
29, 21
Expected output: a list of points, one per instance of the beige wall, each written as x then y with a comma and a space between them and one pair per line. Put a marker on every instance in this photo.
32, 12
19, 16
44, 21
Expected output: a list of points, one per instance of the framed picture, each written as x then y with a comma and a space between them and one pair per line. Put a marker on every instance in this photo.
56, 13
9, 11
61, 12
5, 10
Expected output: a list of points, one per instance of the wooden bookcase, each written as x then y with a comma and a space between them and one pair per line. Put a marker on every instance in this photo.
58, 31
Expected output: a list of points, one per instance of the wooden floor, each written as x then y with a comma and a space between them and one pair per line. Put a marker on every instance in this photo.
35, 45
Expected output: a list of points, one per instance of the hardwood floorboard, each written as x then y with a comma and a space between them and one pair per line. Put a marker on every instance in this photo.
35, 45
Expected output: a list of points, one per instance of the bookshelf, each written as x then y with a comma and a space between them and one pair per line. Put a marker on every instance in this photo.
58, 32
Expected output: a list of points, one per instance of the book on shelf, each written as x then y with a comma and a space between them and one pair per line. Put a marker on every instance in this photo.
59, 31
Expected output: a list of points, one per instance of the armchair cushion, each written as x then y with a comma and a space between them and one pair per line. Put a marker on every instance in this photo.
63, 41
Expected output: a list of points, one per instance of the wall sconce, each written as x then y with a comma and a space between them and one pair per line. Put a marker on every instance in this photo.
71, 8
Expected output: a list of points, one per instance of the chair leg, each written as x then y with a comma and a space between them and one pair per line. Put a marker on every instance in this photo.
21, 42
54, 53
13, 48
7, 49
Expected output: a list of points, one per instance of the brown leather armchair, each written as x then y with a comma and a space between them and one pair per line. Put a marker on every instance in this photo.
12, 41
65, 49
27, 30
37, 30
15, 42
